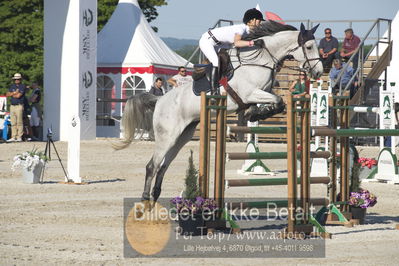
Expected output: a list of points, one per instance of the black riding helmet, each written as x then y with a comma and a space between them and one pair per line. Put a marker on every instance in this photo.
251, 14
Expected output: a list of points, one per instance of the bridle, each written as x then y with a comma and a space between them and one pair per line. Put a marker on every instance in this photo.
303, 37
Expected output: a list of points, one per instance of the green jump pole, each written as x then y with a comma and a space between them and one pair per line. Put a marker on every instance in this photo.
258, 130
354, 132
273, 203
272, 181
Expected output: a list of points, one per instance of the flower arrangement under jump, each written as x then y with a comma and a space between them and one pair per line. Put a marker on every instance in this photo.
362, 199
199, 205
28, 160
367, 162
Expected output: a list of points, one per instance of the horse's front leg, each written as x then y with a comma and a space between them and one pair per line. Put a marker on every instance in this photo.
270, 105
149, 175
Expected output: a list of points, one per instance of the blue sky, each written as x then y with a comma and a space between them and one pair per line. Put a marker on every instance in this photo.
188, 19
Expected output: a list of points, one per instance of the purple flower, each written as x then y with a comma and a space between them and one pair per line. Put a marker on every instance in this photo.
363, 199
194, 206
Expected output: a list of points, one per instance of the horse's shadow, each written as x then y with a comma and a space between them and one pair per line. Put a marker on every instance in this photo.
371, 219
375, 218
268, 223
364, 230
90, 182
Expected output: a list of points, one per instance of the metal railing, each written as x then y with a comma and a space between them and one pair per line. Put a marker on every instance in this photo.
359, 72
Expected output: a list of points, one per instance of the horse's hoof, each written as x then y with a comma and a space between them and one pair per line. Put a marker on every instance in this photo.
146, 208
250, 112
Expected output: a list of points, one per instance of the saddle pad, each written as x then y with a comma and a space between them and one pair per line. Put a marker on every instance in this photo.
202, 84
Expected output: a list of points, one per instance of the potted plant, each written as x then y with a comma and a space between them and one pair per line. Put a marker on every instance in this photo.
359, 202
192, 209
32, 163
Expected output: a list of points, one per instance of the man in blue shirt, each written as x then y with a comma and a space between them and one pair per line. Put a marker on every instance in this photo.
17, 93
328, 48
345, 78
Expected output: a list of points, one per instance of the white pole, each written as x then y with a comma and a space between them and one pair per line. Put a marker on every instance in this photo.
70, 30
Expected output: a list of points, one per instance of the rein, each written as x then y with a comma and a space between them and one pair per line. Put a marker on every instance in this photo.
276, 62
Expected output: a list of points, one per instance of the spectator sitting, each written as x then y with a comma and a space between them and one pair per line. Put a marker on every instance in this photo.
328, 48
349, 46
181, 78
157, 89
345, 78
298, 86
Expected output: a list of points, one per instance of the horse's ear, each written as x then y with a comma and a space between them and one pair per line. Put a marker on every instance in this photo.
313, 30
303, 28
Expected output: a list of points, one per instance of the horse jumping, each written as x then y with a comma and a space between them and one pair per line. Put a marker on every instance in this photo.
174, 116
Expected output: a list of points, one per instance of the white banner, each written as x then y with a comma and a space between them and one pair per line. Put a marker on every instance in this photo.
313, 104
386, 110
88, 68
322, 108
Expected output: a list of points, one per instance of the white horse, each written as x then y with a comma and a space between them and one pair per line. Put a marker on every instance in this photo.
176, 114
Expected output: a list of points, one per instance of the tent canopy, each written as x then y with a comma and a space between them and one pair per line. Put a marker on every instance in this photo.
128, 43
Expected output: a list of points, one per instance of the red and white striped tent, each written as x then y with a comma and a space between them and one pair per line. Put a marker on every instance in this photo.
130, 56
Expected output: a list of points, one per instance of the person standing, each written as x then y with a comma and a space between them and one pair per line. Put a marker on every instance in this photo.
180, 78
157, 89
17, 94
328, 48
349, 46
36, 115
224, 37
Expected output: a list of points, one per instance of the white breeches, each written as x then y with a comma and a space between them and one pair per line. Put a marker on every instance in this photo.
208, 47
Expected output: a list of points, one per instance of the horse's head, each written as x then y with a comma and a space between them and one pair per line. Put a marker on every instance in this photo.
307, 53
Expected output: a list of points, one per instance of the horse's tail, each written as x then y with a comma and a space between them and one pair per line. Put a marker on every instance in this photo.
138, 114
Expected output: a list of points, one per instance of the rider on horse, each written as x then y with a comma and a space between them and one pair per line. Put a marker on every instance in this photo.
224, 37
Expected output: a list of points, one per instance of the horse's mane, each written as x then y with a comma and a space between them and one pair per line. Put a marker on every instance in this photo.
268, 28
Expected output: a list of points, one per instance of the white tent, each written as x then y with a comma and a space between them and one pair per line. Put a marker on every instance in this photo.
130, 56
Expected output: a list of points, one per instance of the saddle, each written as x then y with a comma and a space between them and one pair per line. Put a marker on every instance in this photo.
205, 80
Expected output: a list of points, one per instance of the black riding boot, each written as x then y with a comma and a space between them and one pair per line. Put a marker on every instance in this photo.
215, 81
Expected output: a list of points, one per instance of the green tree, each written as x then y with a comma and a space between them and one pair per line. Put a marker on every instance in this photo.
21, 35
191, 180
21, 45
107, 7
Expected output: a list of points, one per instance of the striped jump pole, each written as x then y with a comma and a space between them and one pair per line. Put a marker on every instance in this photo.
333, 149
111, 100
344, 143
220, 148
291, 164
358, 109
205, 139
305, 158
